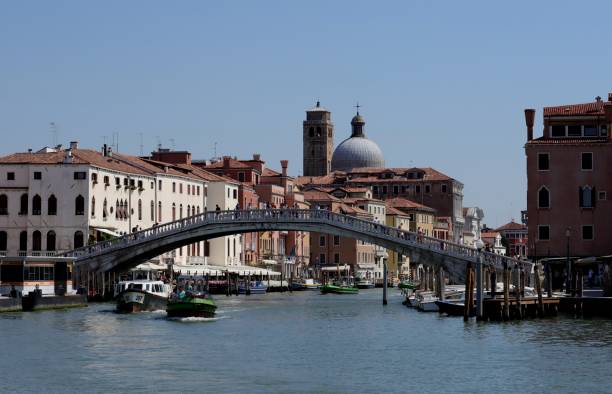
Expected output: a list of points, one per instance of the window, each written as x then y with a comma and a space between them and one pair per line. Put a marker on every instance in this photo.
93, 207
125, 182
557, 131
51, 240
36, 205
52, 205
337, 258
159, 211
78, 239
395, 189
574, 131
543, 232
3, 204
322, 240
311, 132
591, 130
586, 161
80, 175
37, 175
159, 185
587, 232
140, 187
36, 240
318, 131
79, 205
336, 240
602, 195
543, 161
106, 180
10, 176
152, 211
35, 273
23, 241
603, 131
23, 205
417, 188
173, 187
117, 182
235, 194
384, 190
375, 189
173, 211
322, 258
586, 197
241, 176
444, 188
427, 189
543, 198
3, 240
139, 209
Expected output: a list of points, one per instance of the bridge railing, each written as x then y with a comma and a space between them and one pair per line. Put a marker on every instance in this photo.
298, 215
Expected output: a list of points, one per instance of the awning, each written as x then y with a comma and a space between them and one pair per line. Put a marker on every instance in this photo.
149, 267
221, 270
344, 267
107, 231
269, 262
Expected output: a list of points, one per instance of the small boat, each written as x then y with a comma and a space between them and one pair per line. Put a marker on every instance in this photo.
191, 305
338, 289
256, 287
310, 284
407, 284
426, 302
451, 307
364, 283
141, 295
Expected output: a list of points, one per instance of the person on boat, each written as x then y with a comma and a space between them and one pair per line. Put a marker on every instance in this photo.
181, 293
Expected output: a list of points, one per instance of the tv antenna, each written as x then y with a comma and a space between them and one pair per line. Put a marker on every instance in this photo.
54, 132
141, 145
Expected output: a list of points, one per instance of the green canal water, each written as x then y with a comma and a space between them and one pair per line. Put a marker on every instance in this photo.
300, 343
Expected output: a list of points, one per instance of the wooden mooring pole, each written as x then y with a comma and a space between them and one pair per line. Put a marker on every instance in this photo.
384, 283
538, 287
506, 308
468, 286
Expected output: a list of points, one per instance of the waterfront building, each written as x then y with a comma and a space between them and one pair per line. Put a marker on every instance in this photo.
56, 199
398, 264
473, 217
568, 179
515, 235
331, 250
493, 242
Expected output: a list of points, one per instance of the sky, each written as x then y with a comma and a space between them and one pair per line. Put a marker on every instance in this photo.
442, 84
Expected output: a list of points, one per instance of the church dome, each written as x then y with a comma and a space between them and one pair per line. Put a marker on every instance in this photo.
357, 151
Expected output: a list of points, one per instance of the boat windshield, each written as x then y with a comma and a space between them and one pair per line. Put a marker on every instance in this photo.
137, 286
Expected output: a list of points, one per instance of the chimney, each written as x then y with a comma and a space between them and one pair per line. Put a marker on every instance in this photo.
74, 144
284, 165
609, 96
256, 157
67, 156
109, 151
226, 161
529, 119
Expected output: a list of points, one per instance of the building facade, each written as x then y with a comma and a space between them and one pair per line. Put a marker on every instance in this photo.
568, 178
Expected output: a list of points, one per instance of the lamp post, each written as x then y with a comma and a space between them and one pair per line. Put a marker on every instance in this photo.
568, 265
479, 245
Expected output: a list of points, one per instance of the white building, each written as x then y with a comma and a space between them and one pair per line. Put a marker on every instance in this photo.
473, 225
60, 199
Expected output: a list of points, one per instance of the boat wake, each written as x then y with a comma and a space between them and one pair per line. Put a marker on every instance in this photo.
194, 319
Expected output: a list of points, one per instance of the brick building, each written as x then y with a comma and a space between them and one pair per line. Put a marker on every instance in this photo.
568, 176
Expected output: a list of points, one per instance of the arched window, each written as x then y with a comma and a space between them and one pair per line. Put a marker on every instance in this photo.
173, 211
3, 240
152, 211
318, 131
51, 240
586, 196
78, 239
3, 204
117, 210
23, 240
36, 240
23, 205
52, 205
188, 209
104, 209
180, 211
159, 211
36, 205
193, 210
79, 205
139, 209
93, 207
198, 210
311, 132
543, 197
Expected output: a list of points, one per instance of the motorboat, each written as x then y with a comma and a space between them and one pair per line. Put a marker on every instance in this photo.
141, 295
364, 283
191, 304
426, 301
339, 288
255, 287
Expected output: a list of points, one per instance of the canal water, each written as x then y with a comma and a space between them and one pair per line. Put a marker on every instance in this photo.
302, 342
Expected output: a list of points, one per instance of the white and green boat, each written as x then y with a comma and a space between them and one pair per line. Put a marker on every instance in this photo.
191, 305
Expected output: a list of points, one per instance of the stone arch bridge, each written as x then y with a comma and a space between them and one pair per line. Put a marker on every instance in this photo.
127, 251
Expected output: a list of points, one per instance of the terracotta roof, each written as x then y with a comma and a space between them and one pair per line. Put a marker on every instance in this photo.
400, 202
316, 195
491, 234
567, 141
233, 163
390, 211
347, 209
586, 109
270, 172
315, 180
512, 226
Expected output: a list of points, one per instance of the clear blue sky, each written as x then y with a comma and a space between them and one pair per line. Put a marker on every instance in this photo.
442, 84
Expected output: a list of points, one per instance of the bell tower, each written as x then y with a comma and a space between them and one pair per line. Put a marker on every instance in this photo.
318, 141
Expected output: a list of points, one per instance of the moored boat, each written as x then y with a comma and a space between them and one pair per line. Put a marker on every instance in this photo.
311, 284
141, 295
407, 284
365, 284
256, 287
191, 305
338, 289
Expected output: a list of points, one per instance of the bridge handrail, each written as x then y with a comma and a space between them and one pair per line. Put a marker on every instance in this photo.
270, 215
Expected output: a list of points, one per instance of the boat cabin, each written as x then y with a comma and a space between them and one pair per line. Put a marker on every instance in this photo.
150, 286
